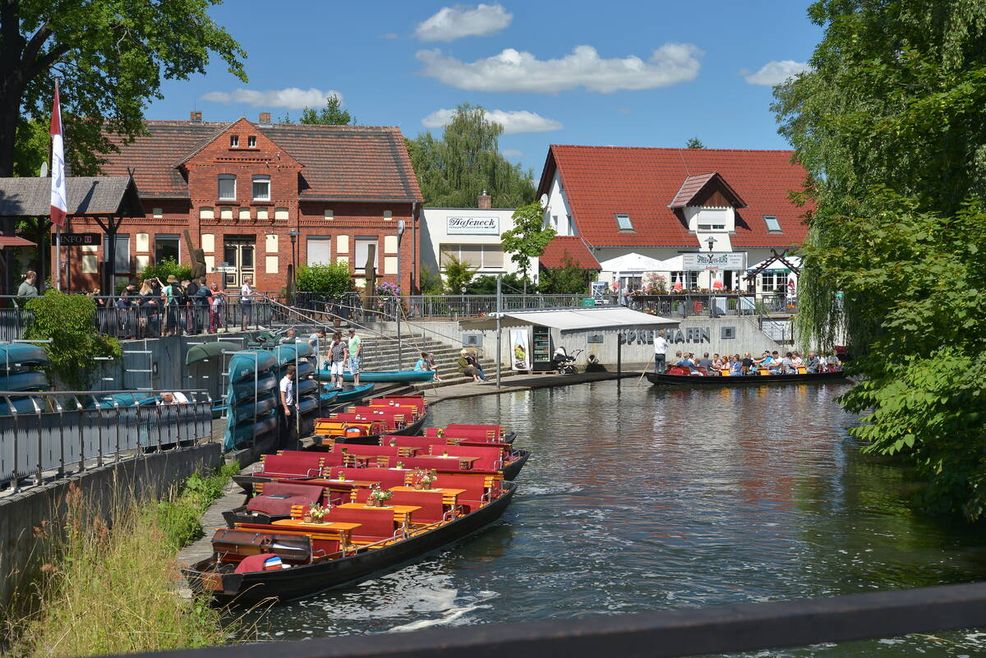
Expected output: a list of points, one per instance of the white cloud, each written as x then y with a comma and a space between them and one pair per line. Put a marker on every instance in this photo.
774, 73
291, 98
451, 23
511, 153
513, 70
520, 121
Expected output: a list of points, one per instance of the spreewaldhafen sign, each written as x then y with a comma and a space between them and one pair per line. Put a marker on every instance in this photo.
713, 261
473, 225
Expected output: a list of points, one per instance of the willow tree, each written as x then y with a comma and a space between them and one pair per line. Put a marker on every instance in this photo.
890, 122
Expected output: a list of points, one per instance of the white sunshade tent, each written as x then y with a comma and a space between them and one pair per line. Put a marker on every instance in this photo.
632, 263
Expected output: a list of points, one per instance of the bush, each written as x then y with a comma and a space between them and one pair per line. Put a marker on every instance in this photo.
511, 284
165, 268
431, 282
330, 280
457, 275
69, 322
567, 279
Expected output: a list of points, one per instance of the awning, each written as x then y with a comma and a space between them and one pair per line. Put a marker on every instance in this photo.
600, 320
631, 263
14, 241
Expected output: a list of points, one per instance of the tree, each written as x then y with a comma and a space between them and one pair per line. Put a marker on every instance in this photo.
330, 115
456, 169
528, 238
330, 280
111, 57
694, 143
457, 275
890, 122
164, 268
569, 279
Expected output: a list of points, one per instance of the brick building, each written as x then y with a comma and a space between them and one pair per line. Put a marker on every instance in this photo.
258, 198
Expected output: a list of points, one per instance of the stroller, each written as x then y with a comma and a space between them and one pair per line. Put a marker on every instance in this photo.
563, 363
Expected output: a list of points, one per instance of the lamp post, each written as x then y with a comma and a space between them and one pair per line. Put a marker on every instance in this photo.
294, 262
462, 309
712, 300
400, 309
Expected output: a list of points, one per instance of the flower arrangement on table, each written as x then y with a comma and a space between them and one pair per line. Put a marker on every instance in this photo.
378, 496
423, 479
316, 513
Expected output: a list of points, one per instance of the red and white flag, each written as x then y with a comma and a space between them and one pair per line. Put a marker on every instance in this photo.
59, 206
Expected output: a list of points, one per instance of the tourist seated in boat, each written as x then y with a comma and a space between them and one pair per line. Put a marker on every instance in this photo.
736, 367
426, 363
813, 363
718, 362
798, 361
787, 365
747, 364
705, 362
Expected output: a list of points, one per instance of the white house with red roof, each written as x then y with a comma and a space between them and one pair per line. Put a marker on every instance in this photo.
699, 217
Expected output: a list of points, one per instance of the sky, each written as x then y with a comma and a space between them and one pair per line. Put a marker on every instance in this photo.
593, 73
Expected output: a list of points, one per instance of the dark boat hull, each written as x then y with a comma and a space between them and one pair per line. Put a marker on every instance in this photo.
297, 582
512, 470
748, 380
374, 439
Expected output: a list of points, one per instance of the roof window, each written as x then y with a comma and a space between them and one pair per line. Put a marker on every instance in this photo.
773, 225
234, 141
252, 142
623, 223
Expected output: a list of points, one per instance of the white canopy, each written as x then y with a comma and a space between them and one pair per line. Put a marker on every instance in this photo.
608, 319
631, 263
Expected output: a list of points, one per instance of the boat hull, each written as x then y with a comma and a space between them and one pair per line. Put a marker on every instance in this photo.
748, 380
298, 582
512, 470
384, 376
374, 439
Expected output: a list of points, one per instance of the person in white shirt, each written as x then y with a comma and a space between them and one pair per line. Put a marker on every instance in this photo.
172, 398
287, 395
660, 352
246, 302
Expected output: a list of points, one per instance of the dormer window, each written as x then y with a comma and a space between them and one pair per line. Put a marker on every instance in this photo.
234, 141
252, 142
227, 187
623, 223
773, 226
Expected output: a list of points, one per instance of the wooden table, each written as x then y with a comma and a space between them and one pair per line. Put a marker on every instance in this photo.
402, 513
465, 463
329, 530
450, 497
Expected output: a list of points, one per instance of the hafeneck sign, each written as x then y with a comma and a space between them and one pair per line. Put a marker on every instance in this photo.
473, 225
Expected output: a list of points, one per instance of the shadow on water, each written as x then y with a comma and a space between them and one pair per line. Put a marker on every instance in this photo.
643, 498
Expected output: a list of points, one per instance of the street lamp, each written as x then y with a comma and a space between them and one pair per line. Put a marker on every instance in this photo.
294, 260
711, 242
462, 289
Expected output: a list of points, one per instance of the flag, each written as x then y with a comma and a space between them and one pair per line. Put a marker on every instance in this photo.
59, 207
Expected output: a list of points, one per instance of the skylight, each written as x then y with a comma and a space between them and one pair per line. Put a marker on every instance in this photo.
773, 225
623, 223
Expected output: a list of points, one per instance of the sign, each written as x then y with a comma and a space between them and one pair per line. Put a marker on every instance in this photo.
81, 239
699, 262
471, 225
588, 302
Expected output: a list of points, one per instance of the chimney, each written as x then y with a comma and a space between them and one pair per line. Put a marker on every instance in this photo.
265, 118
195, 117
484, 200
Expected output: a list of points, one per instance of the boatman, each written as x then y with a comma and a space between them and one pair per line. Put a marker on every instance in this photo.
287, 394
660, 352
355, 355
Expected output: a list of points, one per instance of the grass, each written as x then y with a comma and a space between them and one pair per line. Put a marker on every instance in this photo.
110, 587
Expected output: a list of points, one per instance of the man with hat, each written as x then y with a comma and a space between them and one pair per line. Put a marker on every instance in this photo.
355, 355
170, 295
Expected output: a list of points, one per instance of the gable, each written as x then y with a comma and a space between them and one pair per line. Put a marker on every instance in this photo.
251, 147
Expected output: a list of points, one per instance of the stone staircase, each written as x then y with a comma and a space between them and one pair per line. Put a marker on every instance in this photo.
381, 354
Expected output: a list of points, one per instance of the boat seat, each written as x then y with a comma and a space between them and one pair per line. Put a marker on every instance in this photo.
295, 463
430, 502
490, 459
375, 524
387, 477
277, 498
431, 462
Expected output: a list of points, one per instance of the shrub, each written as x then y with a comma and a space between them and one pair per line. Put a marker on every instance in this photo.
165, 268
431, 282
330, 280
457, 275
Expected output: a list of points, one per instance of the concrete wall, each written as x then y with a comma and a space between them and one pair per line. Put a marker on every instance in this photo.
150, 475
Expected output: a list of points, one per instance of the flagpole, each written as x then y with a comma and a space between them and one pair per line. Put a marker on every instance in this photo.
58, 258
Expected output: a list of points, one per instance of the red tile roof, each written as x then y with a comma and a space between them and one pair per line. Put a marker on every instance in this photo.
602, 181
339, 162
693, 185
566, 248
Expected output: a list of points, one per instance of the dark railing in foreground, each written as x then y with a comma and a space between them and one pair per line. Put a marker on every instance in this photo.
683, 632
54, 434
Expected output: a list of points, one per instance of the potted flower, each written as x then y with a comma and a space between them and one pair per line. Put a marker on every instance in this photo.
316, 513
378, 497
428, 478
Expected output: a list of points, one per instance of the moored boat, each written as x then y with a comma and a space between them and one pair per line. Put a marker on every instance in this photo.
384, 376
724, 381
365, 424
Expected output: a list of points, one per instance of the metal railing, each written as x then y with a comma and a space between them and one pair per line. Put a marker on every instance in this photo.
53, 434
714, 304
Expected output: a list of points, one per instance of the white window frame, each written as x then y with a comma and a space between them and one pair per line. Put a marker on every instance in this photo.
772, 219
455, 249
622, 218
167, 236
219, 184
234, 141
252, 142
260, 178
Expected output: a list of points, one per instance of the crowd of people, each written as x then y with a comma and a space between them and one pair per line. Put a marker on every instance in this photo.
771, 361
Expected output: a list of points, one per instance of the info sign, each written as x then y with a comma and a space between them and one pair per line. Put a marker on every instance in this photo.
81, 239
700, 262
473, 225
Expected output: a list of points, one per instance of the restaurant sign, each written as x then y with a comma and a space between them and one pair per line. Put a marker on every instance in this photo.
700, 262
468, 225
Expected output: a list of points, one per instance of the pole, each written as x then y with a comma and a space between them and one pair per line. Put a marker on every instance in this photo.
58, 258
499, 329
619, 357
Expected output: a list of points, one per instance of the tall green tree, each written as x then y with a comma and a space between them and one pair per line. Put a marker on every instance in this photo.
330, 115
890, 122
694, 143
111, 57
528, 238
454, 170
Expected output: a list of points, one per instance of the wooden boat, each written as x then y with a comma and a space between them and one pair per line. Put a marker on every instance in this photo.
332, 396
307, 572
365, 424
384, 376
717, 381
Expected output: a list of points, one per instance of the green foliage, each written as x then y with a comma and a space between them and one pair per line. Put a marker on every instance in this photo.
69, 321
179, 517
431, 282
456, 169
330, 115
486, 285
165, 268
457, 275
31, 148
332, 280
111, 57
694, 143
569, 279
891, 124
528, 238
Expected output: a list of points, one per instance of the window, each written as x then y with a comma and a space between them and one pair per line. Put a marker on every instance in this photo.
166, 247
771, 281
481, 256
252, 142
711, 227
772, 224
261, 188
122, 255
688, 280
319, 250
227, 187
623, 223
234, 141
363, 251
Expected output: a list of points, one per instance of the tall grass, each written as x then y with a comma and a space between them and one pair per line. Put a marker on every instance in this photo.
111, 587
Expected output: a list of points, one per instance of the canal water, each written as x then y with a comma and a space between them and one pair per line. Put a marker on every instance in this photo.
639, 499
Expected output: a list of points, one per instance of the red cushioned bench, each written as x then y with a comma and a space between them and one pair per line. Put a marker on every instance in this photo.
430, 502
387, 477
295, 464
490, 459
375, 524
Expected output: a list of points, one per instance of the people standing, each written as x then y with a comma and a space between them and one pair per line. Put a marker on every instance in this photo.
202, 302
170, 297
247, 294
287, 395
28, 288
338, 353
660, 353
216, 309
355, 355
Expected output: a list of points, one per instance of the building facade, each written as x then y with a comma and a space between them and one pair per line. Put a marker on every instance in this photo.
698, 218
471, 235
260, 200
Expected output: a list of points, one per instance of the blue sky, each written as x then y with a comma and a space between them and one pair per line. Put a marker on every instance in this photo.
596, 73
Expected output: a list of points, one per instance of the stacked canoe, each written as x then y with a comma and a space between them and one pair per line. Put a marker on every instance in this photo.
252, 398
21, 367
301, 355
